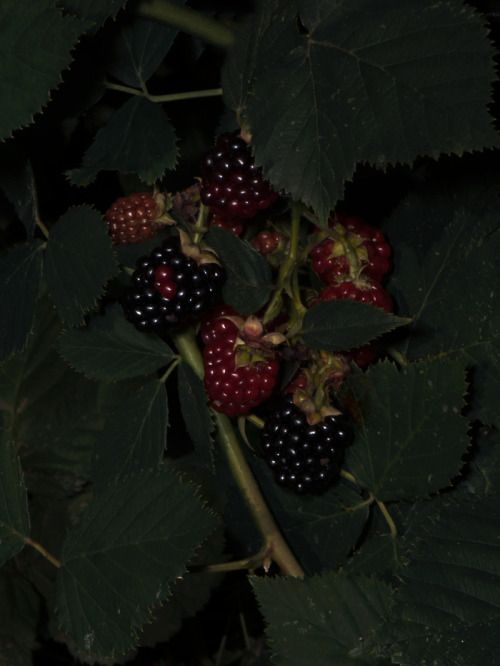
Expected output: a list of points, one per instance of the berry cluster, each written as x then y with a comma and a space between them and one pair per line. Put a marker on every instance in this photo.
304, 438
232, 186
172, 288
304, 457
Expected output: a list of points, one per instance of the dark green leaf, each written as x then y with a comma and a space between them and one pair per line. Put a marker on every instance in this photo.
461, 645
111, 349
14, 516
19, 618
342, 325
79, 263
312, 524
133, 542
35, 47
195, 411
448, 282
239, 67
189, 594
139, 48
94, 11
248, 284
411, 437
378, 82
135, 431
332, 617
138, 139
20, 274
452, 578
483, 476
17, 182
50, 411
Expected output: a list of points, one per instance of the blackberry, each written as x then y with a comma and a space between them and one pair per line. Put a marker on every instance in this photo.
171, 288
231, 184
304, 458
134, 218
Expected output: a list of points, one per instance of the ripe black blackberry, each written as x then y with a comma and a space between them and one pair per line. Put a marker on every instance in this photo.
231, 184
305, 458
171, 288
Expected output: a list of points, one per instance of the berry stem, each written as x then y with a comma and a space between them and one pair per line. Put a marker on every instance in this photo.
349, 477
400, 358
287, 266
161, 99
169, 370
275, 544
201, 221
187, 20
257, 422
253, 562
388, 518
43, 552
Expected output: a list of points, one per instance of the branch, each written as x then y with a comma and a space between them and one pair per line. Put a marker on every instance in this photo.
161, 99
274, 541
43, 552
187, 20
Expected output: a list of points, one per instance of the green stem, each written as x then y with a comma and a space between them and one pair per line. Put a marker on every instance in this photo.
400, 358
169, 370
200, 226
287, 266
161, 99
349, 477
43, 552
248, 563
388, 518
257, 422
277, 547
188, 20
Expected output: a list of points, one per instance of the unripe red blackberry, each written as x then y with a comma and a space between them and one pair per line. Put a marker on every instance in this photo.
241, 370
134, 218
232, 186
171, 288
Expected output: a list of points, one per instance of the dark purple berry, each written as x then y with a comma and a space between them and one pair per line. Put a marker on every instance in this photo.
304, 458
232, 186
170, 288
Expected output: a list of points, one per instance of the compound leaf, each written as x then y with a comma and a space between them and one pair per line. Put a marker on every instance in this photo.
142, 530
138, 139
366, 81
112, 349
79, 263
411, 436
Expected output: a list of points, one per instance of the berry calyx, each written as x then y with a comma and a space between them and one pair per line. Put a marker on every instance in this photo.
136, 217
232, 186
241, 367
304, 457
175, 284
351, 248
